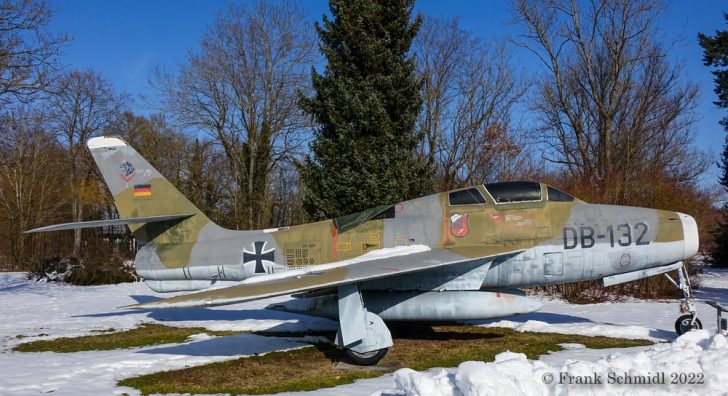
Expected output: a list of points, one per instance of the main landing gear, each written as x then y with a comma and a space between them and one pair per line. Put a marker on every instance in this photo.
366, 358
688, 321
362, 334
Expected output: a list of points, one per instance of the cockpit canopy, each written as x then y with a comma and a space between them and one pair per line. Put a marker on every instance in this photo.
557, 195
515, 191
508, 192
501, 192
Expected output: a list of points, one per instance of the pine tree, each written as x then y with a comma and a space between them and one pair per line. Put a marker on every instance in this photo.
715, 54
365, 103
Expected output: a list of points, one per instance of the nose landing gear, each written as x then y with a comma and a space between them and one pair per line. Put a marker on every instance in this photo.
688, 321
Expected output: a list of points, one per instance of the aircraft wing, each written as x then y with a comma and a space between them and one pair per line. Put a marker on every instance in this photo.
415, 258
112, 222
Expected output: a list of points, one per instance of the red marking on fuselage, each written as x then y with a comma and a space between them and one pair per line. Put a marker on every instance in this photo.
459, 228
335, 233
445, 221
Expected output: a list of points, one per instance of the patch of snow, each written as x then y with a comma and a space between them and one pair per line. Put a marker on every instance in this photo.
200, 337
438, 382
96, 372
585, 329
363, 387
584, 354
697, 357
568, 345
46, 310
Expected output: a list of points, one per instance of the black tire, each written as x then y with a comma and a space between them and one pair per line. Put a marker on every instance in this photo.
368, 358
682, 324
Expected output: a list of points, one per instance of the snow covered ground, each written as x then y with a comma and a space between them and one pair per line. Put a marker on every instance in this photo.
40, 310
693, 364
49, 310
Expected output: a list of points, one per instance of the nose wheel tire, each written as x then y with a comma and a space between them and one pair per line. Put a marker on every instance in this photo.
683, 324
366, 358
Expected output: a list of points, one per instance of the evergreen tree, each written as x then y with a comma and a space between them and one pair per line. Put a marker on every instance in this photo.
365, 103
715, 54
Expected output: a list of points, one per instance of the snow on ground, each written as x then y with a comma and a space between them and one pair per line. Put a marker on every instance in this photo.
36, 310
48, 310
96, 372
701, 353
693, 364
65, 310
635, 319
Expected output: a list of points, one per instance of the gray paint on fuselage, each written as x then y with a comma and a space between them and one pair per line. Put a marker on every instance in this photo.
416, 222
224, 248
587, 263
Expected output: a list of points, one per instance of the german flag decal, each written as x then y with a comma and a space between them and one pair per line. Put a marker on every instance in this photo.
142, 190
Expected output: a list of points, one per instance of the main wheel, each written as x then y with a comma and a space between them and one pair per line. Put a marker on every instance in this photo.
366, 358
682, 324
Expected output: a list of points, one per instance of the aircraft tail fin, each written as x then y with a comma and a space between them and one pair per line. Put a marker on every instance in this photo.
140, 191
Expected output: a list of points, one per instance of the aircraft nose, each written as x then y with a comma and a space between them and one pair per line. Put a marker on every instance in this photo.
690, 235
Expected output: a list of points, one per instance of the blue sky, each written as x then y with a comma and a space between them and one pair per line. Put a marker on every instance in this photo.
125, 39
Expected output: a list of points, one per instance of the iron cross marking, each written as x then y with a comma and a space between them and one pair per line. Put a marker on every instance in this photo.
259, 256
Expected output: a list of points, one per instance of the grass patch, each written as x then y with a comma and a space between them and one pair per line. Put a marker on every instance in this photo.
145, 335
313, 368
302, 369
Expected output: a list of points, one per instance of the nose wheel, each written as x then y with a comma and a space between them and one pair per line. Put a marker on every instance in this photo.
688, 321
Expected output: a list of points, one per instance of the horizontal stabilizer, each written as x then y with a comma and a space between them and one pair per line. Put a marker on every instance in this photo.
113, 222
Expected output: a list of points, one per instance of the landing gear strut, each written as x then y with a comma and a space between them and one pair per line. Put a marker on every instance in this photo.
688, 321
362, 334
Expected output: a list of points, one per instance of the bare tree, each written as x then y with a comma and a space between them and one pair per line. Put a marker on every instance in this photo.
83, 104
28, 52
440, 53
205, 178
469, 90
241, 88
286, 204
610, 106
31, 182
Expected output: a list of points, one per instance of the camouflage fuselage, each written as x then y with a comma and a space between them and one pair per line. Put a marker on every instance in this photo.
559, 240
563, 242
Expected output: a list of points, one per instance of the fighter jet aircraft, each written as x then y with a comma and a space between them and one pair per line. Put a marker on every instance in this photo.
457, 255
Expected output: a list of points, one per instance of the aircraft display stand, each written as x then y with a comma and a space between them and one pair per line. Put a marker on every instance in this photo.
722, 323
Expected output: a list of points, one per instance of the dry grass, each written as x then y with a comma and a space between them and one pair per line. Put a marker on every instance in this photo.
315, 367
145, 335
